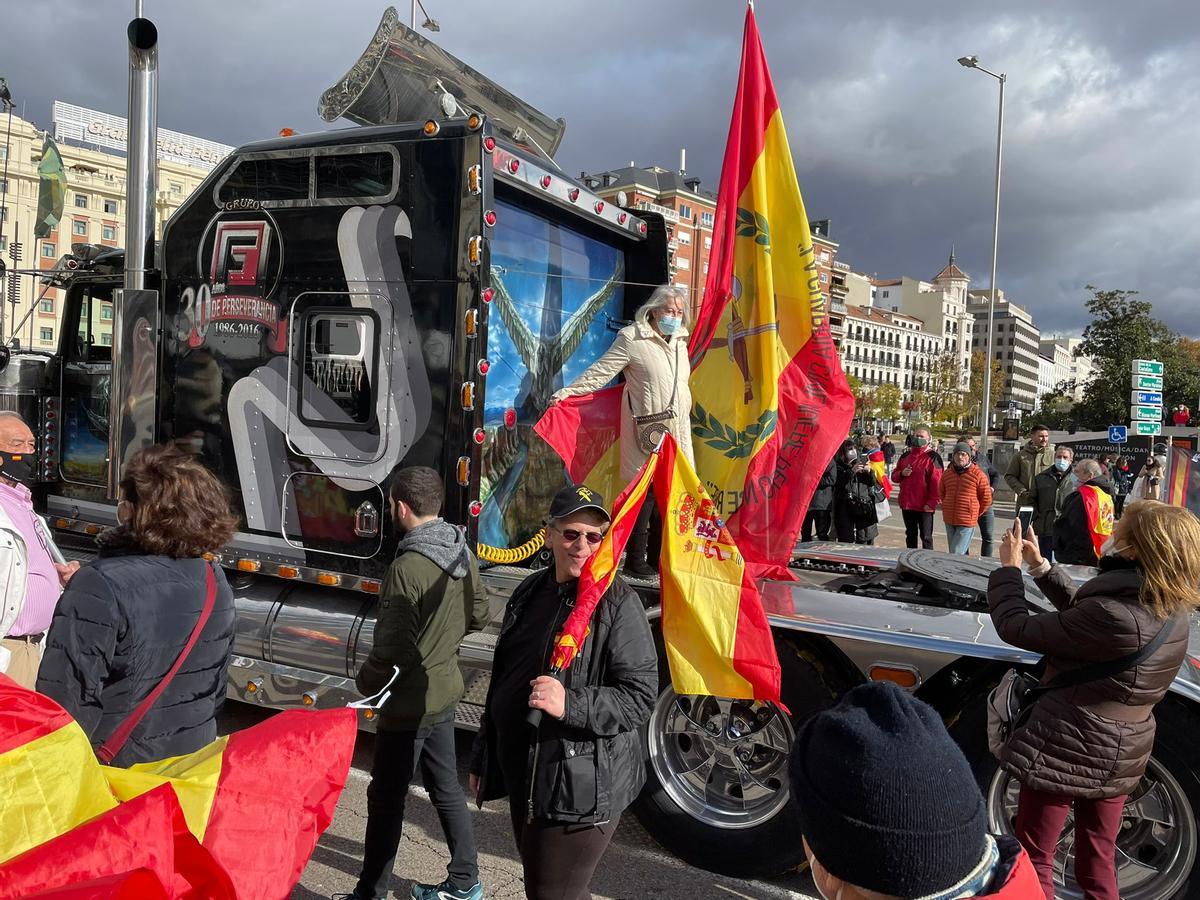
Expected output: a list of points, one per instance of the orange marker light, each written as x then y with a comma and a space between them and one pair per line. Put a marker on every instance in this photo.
897, 675
464, 470
248, 565
287, 132
329, 579
371, 587
287, 572
474, 120
431, 128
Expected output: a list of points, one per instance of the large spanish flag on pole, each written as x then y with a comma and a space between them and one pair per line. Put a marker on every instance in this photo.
763, 328
716, 632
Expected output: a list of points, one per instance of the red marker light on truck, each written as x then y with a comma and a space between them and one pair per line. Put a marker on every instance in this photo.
622, 217
487, 295
489, 143
510, 418
599, 206
484, 367
573, 193
475, 508
479, 436
513, 165
489, 217
547, 181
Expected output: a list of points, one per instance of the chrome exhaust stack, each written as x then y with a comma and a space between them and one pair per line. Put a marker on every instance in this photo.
132, 386
142, 149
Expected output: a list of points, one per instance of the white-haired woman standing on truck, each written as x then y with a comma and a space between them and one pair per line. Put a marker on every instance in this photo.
652, 356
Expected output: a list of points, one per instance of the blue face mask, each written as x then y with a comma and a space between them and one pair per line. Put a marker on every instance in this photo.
1062, 464
669, 324
1074, 479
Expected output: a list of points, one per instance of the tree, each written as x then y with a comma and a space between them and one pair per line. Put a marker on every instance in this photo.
1057, 408
975, 394
944, 396
1124, 329
887, 402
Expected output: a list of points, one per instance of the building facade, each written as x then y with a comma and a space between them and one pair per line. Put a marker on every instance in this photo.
883, 347
1055, 367
1079, 367
93, 212
1015, 345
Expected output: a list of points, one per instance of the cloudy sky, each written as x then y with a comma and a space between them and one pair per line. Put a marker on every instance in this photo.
893, 140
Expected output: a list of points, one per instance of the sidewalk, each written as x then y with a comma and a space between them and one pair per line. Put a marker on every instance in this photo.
891, 530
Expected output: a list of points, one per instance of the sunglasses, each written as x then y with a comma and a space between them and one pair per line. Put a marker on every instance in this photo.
571, 535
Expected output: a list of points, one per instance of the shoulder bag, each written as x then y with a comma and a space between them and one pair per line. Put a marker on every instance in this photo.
110, 748
649, 429
1013, 699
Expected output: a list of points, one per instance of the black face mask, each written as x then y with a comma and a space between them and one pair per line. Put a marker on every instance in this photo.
17, 466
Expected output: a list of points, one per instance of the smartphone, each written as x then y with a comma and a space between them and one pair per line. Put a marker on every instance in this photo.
1025, 515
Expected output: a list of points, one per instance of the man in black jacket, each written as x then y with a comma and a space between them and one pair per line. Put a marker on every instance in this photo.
432, 597
568, 780
820, 508
1075, 530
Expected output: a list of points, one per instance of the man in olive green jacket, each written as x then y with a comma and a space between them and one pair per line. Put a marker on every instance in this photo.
432, 597
1034, 458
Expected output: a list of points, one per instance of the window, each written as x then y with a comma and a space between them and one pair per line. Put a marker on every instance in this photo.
110, 207
106, 339
824, 278
348, 175
276, 179
705, 268
176, 189
47, 306
685, 211
706, 219
106, 312
46, 334
108, 233
81, 201
683, 262
49, 251
3, 153
79, 226
885, 293
685, 238
708, 240
3, 185
339, 360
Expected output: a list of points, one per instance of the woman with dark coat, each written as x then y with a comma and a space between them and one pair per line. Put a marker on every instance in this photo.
569, 779
1086, 746
125, 619
856, 490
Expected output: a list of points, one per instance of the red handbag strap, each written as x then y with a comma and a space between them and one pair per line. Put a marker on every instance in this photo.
110, 748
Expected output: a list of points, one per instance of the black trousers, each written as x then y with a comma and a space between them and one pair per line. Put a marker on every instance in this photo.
397, 756
822, 519
559, 860
914, 520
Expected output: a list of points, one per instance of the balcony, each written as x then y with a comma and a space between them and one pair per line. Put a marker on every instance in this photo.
841, 266
665, 211
836, 306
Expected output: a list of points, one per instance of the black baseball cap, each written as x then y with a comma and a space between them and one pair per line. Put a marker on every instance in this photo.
574, 498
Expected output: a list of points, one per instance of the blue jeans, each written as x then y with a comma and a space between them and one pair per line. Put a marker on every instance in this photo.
959, 537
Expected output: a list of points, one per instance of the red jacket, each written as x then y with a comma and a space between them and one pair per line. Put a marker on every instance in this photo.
1021, 881
920, 490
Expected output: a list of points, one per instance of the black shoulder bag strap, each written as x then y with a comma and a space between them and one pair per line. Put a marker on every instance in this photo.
1109, 667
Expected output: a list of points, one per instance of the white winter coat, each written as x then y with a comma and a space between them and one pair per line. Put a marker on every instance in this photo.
652, 368
14, 566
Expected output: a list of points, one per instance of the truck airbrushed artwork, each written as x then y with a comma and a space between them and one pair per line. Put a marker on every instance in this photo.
558, 301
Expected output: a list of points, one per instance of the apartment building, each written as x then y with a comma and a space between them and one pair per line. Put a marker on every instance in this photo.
1016, 345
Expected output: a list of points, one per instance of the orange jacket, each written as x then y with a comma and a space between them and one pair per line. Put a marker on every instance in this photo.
965, 495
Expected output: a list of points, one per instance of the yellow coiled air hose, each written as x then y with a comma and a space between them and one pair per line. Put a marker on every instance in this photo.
507, 556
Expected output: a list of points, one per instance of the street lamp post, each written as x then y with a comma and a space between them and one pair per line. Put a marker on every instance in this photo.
972, 62
5, 101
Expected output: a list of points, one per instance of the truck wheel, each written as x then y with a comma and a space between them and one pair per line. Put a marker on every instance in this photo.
1157, 855
716, 791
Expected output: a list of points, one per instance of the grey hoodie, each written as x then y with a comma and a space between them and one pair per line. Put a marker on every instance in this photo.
440, 542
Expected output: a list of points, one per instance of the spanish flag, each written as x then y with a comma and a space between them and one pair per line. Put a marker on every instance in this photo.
584, 431
238, 818
602, 567
763, 329
715, 629
1098, 504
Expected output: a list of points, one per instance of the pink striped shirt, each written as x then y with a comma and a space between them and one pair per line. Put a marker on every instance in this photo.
42, 587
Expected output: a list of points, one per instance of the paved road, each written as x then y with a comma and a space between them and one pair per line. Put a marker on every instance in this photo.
891, 530
634, 867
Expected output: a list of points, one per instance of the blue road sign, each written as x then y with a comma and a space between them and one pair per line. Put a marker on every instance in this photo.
1149, 398
1117, 434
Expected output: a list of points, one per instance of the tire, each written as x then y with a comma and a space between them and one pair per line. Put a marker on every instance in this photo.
1159, 831
701, 824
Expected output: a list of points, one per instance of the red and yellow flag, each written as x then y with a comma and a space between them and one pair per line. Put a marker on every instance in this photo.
715, 630
763, 446
1098, 505
280, 778
602, 567
584, 432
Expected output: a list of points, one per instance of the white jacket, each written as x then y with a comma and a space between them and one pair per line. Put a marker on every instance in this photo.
654, 369
14, 566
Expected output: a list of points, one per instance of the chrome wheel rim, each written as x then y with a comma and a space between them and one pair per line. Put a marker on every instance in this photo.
1156, 847
724, 762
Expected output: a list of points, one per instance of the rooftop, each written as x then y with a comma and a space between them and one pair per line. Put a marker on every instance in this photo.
655, 178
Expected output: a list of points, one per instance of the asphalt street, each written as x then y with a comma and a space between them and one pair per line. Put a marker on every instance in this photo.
634, 867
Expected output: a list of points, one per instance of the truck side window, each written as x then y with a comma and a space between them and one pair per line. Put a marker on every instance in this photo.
339, 361
264, 180
353, 175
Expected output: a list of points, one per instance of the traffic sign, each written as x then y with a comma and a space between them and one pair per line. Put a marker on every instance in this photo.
1147, 367
1117, 434
1148, 382
1146, 398
1145, 413
1149, 428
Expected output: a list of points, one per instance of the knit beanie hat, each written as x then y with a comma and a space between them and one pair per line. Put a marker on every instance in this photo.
963, 447
886, 800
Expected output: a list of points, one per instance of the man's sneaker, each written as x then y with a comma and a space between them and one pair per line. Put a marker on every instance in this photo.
447, 891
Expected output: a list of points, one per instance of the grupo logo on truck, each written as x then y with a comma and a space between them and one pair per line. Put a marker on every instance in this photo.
240, 258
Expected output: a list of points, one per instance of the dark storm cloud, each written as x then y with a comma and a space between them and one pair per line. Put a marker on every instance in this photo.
892, 139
